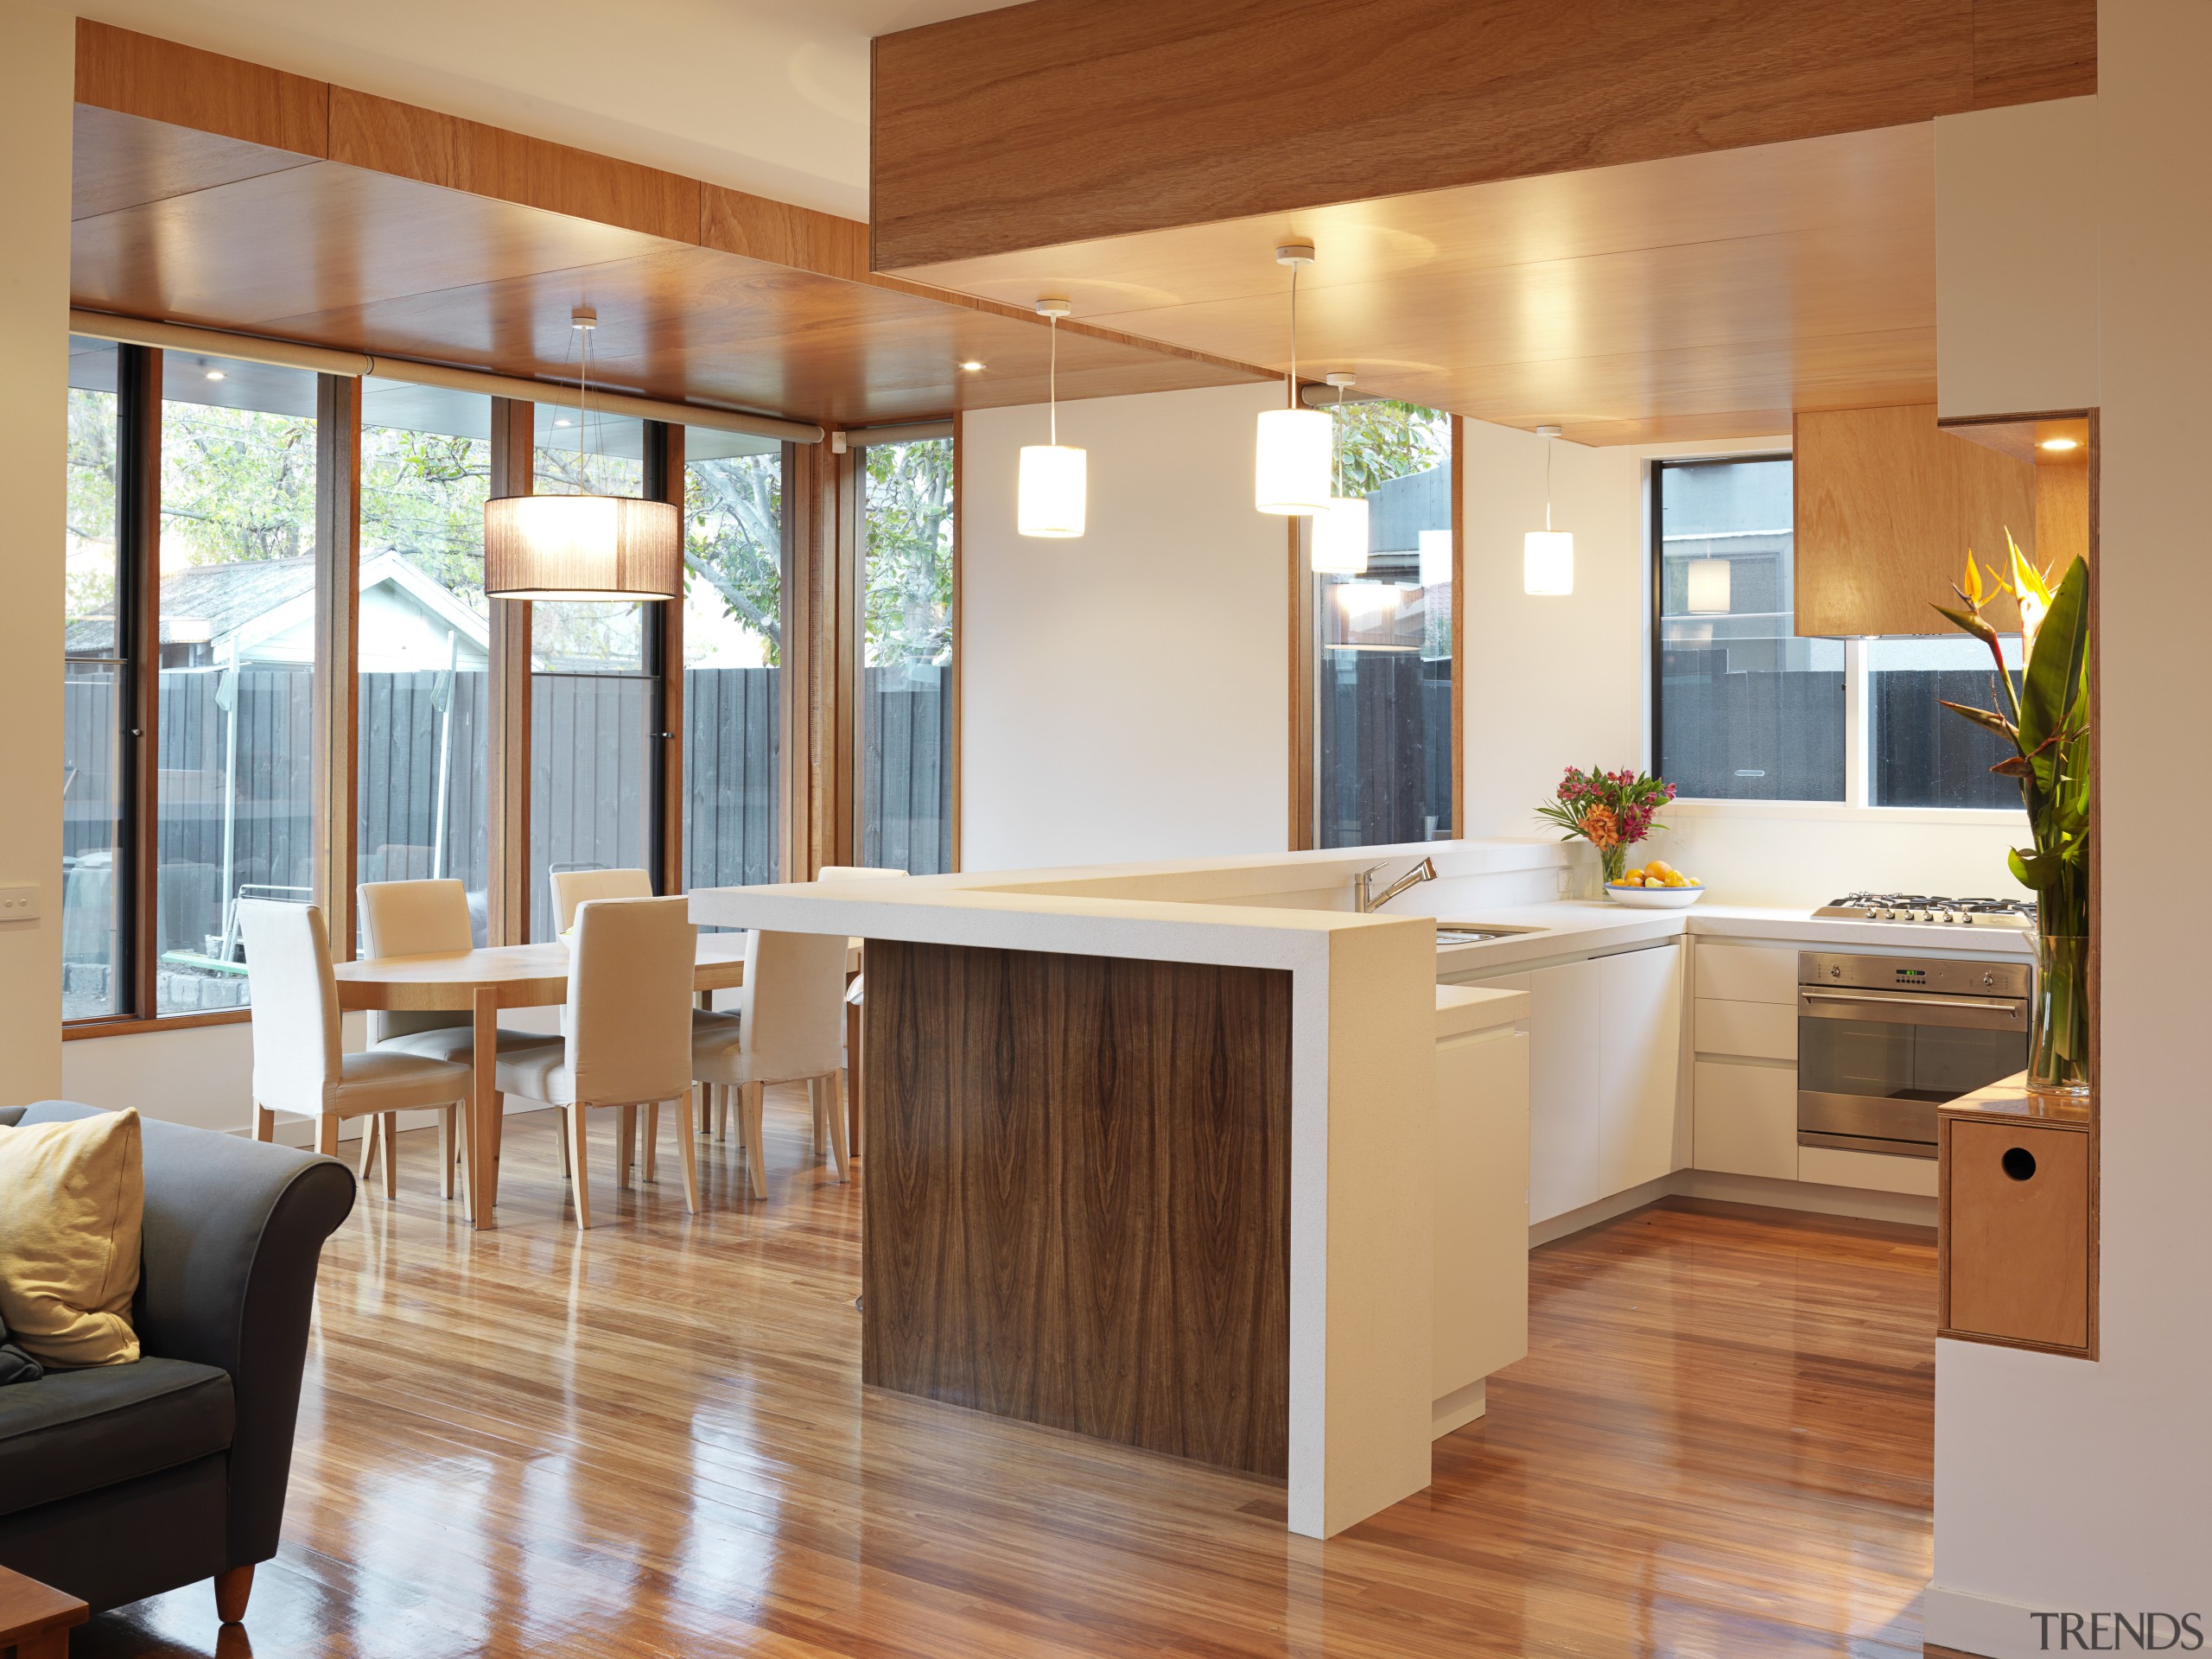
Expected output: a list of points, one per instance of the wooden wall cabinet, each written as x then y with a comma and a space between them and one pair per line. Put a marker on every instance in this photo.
2017, 1240
1887, 505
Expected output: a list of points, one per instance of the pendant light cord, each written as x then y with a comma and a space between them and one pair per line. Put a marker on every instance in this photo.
1053, 379
1547, 485
1290, 381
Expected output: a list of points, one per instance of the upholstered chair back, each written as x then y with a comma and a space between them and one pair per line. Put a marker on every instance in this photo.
628, 1018
413, 918
295, 1034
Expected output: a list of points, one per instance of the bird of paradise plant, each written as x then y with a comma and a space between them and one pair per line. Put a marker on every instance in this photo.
2045, 720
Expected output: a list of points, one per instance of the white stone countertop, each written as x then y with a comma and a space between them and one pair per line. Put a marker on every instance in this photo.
1463, 1009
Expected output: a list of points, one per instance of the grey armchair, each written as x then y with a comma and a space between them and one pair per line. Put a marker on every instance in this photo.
126, 1481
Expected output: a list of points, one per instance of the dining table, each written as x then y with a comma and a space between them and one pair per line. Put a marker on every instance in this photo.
480, 983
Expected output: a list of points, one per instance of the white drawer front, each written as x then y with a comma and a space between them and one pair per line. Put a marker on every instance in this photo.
1746, 1120
1879, 1172
1746, 973
1766, 1030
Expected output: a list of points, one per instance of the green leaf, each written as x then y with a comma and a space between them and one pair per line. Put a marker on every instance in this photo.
1985, 717
2032, 869
2054, 679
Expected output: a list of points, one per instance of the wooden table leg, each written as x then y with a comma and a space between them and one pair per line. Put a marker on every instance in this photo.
484, 1111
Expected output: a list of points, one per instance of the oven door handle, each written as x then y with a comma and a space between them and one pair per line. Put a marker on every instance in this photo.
1989, 1008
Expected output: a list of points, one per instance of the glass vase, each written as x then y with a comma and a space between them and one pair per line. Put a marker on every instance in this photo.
2058, 1038
1615, 859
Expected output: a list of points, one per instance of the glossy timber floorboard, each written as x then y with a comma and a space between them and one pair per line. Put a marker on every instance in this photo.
653, 1441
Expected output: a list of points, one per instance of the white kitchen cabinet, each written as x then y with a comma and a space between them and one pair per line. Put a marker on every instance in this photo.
1481, 1285
1746, 973
1746, 1120
1566, 1024
1640, 1056
1766, 1030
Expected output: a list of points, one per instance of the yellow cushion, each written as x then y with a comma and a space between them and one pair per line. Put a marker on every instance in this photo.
73, 1196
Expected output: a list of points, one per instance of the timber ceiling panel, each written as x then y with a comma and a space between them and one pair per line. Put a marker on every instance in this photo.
184, 225
1700, 296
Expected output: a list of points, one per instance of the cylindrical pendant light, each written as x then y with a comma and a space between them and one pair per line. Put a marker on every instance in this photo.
1290, 471
1051, 493
615, 548
1340, 535
1547, 555
1708, 587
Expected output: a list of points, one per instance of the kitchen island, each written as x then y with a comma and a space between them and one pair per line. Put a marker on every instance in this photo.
1149, 1155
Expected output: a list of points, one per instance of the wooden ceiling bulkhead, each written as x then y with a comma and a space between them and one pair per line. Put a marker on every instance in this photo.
1646, 223
226, 194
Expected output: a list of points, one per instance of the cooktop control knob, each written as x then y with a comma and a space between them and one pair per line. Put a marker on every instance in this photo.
1836, 971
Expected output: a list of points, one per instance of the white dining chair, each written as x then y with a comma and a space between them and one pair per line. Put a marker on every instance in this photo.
627, 1032
299, 1066
788, 1027
574, 887
422, 918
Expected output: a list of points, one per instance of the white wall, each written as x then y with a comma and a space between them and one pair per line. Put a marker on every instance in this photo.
1124, 696
1554, 681
1551, 681
759, 94
2060, 1484
2016, 259
37, 78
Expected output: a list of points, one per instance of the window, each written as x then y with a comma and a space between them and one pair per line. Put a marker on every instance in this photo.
234, 799
904, 722
1383, 647
424, 639
1745, 711
95, 698
594, 684
734, 622
1922, 754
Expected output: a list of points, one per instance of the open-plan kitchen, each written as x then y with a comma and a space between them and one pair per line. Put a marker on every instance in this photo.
929, 827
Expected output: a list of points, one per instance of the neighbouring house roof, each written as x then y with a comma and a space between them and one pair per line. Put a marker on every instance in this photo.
257, 599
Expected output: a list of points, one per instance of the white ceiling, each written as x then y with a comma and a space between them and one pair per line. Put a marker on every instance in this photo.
770, 96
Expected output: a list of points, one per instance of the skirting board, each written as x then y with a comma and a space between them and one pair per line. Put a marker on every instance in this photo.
1459, 1407
1866, 1206
1981, 1627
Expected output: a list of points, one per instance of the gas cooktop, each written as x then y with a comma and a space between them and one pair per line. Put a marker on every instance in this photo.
1924, 907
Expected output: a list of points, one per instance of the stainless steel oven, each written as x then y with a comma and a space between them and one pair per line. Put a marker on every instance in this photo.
1882, 1041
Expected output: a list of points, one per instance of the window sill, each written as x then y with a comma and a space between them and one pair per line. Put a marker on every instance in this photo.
1846, 813
146, 1025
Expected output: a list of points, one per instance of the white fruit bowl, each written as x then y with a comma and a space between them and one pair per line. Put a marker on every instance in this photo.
1655, 897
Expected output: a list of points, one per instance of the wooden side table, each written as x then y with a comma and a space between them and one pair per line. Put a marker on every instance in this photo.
35, 1619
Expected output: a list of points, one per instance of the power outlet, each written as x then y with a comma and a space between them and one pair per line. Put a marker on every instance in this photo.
1560, 883
19, 904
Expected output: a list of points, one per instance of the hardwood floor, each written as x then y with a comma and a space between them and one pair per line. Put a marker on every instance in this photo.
653, 1441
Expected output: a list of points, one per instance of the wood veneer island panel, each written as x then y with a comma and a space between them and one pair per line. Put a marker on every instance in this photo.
1078, 1199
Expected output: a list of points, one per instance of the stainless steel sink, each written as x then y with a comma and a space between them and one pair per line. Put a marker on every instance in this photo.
1477, 932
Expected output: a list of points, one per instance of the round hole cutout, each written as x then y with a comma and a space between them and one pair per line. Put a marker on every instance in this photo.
2018, 1162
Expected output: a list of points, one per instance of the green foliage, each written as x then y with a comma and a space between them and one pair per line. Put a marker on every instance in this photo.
423, 495
236, 484
91, 566
2049, 731
1378, 442
733, 539
908, 601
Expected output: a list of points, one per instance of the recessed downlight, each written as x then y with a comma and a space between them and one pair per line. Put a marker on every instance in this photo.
2057, 446
214, 374
970, 367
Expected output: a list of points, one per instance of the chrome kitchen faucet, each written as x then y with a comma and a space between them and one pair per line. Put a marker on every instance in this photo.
1363, 890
